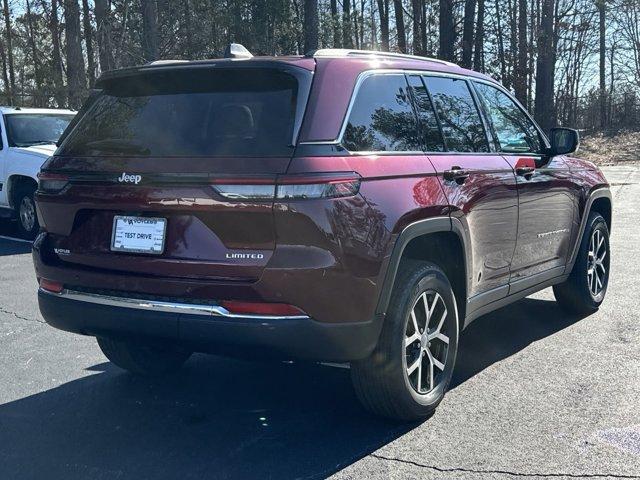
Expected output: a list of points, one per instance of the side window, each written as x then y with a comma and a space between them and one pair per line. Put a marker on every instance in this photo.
461, 122
381, 118
514, 131
426, 114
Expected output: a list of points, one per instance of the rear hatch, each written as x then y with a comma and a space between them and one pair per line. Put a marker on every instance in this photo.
171, 171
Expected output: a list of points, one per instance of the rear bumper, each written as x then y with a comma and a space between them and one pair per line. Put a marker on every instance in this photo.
209, 328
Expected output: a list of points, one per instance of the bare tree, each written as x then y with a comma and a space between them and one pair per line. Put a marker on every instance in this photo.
478, 55
603, 59
347, 34
383, 12
310, 25
446, 30
9, 52
103, 34
544, 109
520, 71
88, 41
467, 32
76, 74
402, 35
335, 25
149, 29
34, 54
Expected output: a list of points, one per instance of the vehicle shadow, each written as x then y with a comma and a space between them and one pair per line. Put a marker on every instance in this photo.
9, 246
225, 418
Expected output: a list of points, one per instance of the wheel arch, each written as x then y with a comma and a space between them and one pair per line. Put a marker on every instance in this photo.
599, 200
14, 182
441, 240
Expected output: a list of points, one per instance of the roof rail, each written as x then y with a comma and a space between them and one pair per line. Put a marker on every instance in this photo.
344, 52
166, 62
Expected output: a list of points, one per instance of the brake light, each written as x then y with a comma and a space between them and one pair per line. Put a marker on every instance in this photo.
51, 286
258, 308
291, 187
51, 182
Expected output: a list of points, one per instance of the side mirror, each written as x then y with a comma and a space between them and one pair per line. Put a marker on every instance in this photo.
563, 141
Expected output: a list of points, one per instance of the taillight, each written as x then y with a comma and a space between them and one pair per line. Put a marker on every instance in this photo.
291, 187
51, 286
51, 182
258, 308
318, 186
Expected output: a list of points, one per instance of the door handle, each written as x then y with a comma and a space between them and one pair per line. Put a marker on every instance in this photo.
457, 174
525, 171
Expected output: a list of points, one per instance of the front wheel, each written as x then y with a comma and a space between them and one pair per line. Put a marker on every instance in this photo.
583, 292
408, 373
28, 225
144, 359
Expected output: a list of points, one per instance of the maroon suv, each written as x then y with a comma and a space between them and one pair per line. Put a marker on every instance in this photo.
344, 206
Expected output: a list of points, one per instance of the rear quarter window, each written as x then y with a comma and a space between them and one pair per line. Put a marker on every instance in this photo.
206, 112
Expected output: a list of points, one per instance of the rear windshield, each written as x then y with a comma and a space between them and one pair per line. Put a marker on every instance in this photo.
205, 112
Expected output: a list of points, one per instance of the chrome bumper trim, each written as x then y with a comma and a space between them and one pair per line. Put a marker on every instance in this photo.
162, 306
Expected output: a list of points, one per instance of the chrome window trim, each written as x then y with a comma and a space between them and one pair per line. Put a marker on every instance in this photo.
163, 306
427, 73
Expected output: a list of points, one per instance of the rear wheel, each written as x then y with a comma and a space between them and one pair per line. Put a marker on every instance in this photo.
583, 292
28, 225
408, 373
143, 358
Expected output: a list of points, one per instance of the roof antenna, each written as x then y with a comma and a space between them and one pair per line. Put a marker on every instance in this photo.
236, 50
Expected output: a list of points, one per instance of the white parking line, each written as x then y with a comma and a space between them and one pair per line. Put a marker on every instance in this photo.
16, 239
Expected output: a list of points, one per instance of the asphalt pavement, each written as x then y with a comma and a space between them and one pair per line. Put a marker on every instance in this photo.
536, 394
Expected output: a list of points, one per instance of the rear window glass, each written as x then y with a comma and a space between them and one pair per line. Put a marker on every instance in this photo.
381, 118
461, 123
241, 112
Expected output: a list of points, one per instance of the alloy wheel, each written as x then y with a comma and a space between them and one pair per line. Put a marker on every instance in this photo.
426, 342
27, 214
596, 268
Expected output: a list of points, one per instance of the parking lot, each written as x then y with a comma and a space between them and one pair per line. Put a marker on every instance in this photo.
536, 394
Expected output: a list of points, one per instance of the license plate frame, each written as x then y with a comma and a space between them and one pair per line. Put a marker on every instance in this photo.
123, 247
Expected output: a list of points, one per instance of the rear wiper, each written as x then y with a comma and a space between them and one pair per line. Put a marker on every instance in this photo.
118, 145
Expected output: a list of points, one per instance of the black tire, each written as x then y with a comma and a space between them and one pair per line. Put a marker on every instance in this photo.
576, 294
381, 381
144, 359
25, 208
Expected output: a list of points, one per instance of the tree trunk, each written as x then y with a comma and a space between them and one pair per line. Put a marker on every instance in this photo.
467, 32
88, 40
5, 75
103, 34
149, 29
347, 36
38, 100
9, 52
416, 11
383, 11
59, 93
310, 25
335, 25
520, 74
446, 30
478, 57
76, 76
603, 58
544, 109
402, 35
503, 64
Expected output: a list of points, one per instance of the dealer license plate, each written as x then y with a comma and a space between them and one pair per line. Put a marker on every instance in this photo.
138, 234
